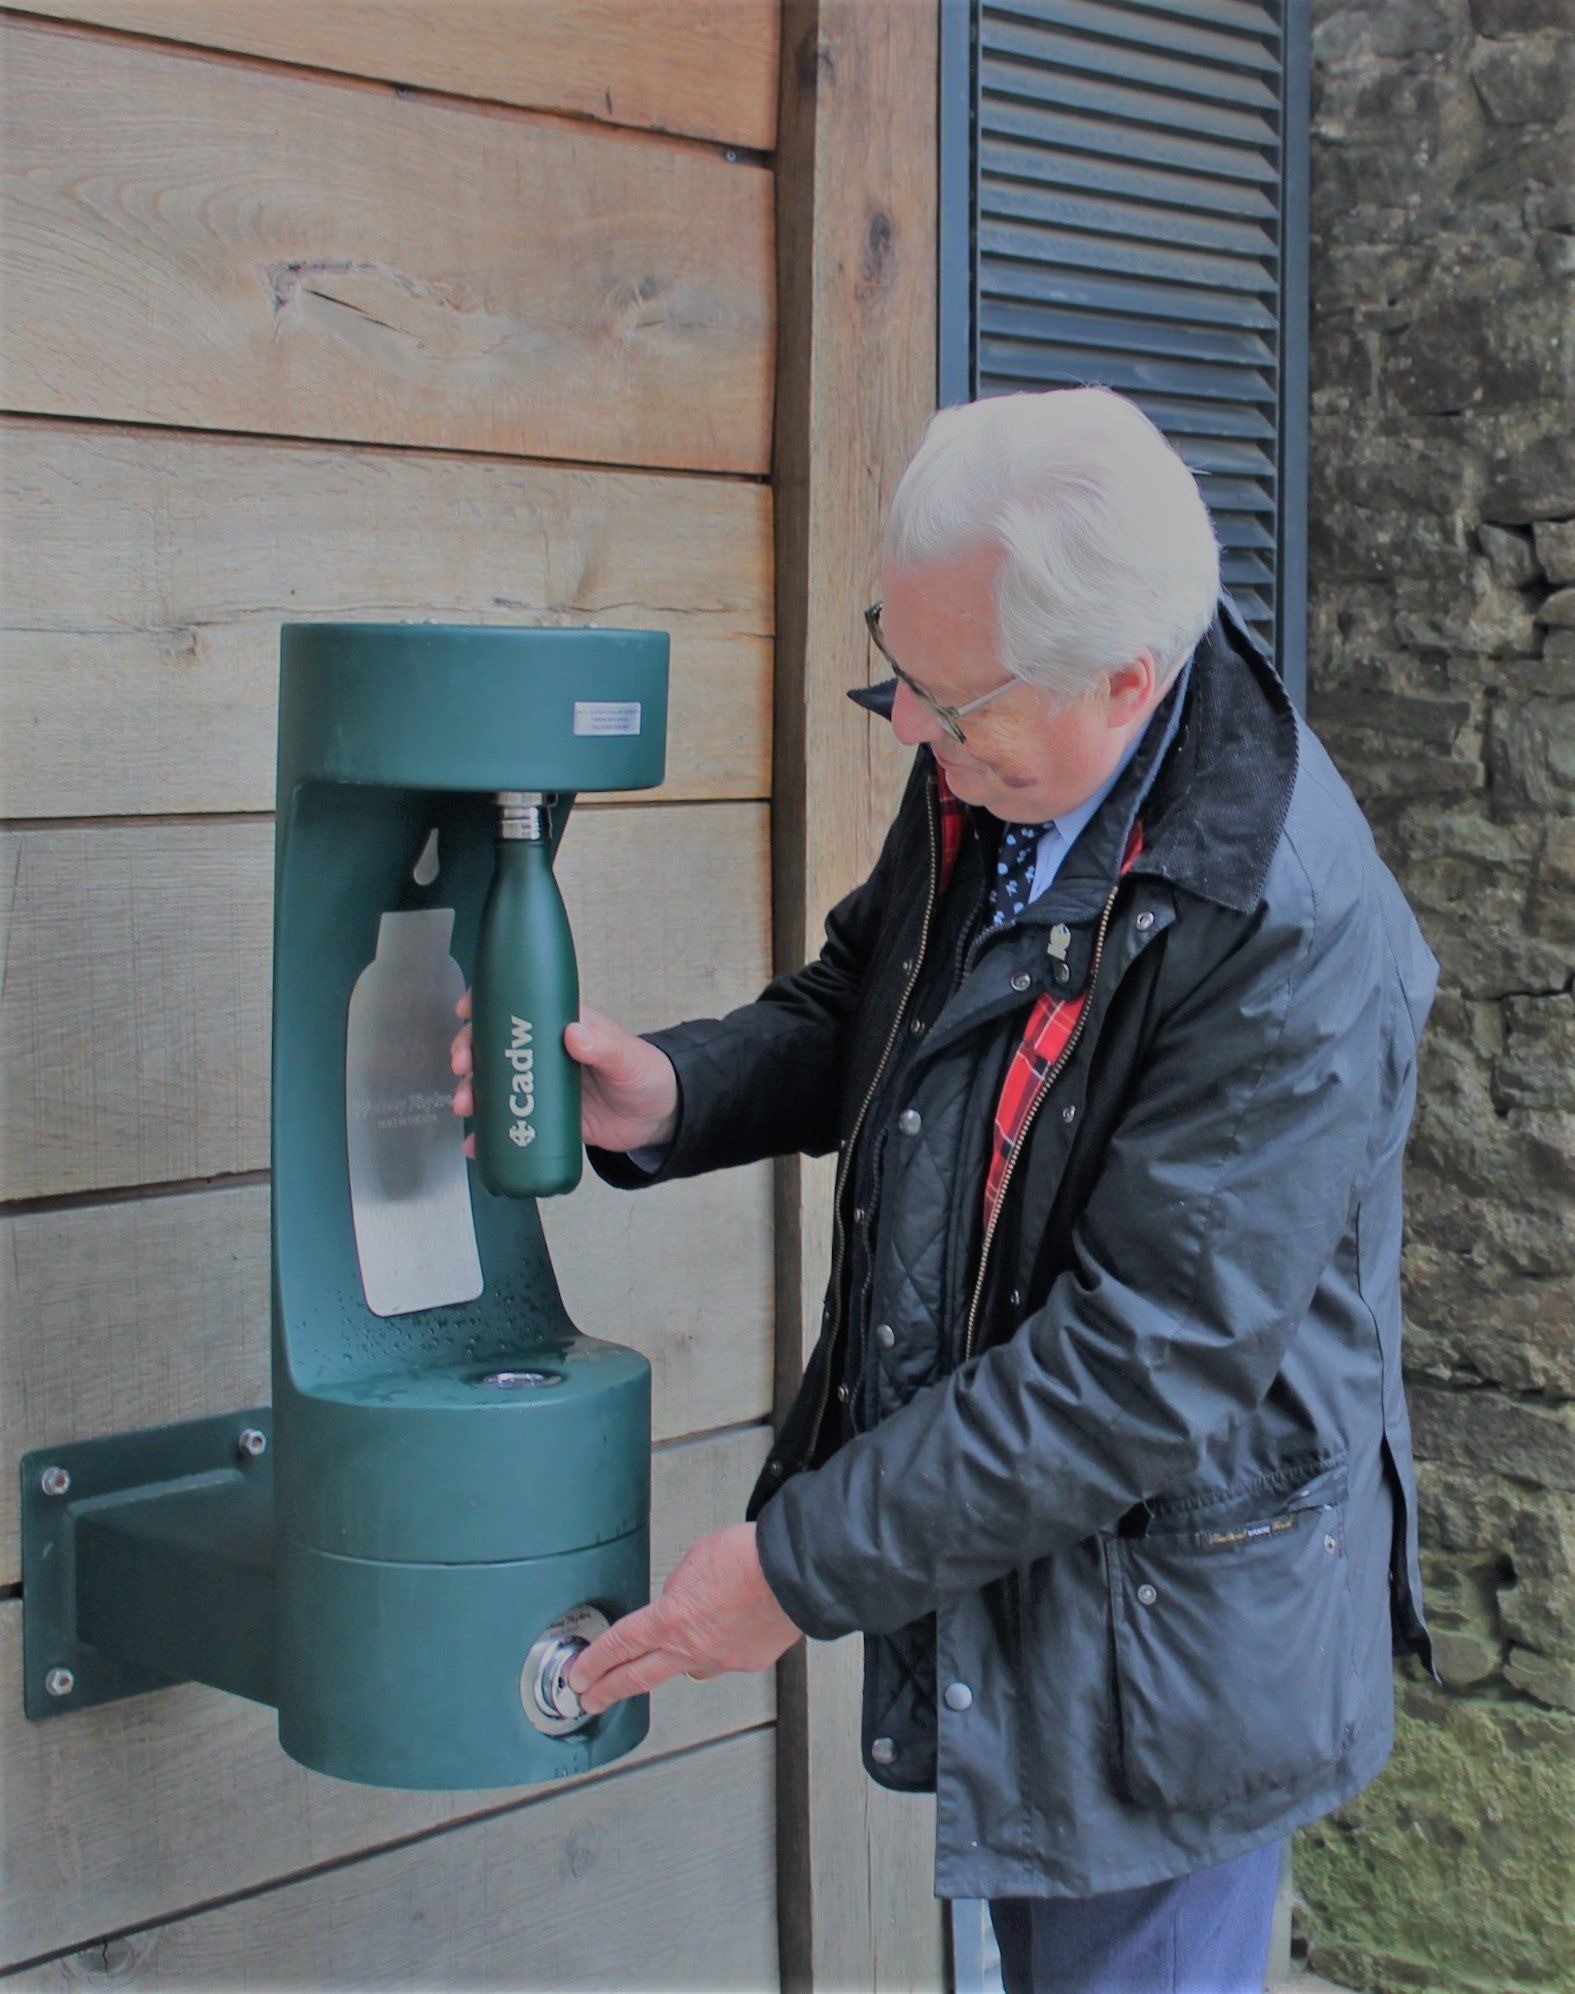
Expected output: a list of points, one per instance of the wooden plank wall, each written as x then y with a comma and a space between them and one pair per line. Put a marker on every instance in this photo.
346, 314
856, 257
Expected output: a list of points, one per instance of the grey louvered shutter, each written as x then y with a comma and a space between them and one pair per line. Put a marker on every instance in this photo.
1123, 201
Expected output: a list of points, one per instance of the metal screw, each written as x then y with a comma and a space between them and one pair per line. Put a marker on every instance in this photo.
54, 1481
60, 1682
253, 1441
730, 156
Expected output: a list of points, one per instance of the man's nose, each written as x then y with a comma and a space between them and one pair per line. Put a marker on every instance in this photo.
912, 721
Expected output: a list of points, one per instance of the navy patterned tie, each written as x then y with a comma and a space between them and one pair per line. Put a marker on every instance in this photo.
1015, 865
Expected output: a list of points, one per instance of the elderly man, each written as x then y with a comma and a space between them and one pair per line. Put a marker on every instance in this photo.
1103, 1447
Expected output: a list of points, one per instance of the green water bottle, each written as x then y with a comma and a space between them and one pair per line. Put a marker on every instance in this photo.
527, 989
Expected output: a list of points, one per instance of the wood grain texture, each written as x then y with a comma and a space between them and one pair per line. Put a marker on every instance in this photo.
134, 1011
216, 245
856, 242
629, 1881
137, 1312
148, 1808
143, 577
702, 67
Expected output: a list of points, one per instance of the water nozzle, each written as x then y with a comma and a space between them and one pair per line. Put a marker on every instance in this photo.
524, 814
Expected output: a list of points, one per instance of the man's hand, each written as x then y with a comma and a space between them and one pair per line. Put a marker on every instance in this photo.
628, 1090
716, 1613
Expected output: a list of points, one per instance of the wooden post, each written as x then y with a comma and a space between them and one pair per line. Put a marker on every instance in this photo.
856, 371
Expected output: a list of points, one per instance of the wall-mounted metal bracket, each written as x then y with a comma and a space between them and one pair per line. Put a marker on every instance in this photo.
148, 1559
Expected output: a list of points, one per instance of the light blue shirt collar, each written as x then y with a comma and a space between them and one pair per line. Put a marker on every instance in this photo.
1058, 838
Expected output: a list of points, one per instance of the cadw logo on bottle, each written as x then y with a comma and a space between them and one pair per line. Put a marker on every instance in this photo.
522, 1088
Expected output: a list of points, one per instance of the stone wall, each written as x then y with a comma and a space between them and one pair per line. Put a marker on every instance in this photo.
1442, 676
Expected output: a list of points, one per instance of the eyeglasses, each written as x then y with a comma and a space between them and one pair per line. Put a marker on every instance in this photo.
950, 717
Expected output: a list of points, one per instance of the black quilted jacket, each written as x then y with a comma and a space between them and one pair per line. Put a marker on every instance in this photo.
1129, 1528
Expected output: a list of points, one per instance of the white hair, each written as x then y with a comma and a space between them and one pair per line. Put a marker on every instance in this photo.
1109, 547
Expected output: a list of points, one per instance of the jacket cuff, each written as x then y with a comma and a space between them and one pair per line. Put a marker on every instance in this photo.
778, 1541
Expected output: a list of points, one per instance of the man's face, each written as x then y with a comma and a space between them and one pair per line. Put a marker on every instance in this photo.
1021, 761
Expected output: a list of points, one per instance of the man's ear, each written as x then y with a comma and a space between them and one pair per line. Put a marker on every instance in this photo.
1132, 690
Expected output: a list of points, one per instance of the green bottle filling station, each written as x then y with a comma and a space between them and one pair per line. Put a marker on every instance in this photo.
450, 1496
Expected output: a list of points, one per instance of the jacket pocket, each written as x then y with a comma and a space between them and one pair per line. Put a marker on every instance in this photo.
1232, 1651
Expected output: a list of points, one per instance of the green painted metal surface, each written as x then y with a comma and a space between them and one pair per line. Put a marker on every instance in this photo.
421, 1513
154, 1566
427, 1522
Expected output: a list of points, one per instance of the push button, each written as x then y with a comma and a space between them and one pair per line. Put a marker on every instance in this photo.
885, 1335
1147, 1595
958, 1696
883, 1751
910, 1121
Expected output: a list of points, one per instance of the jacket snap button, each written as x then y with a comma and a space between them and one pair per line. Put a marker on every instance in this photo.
774, 1470
1021, 980
1063, 973
907, 965
885, 1336
1147, 1595
1016, 1298
958, 1696
883, 1751
842, 1394
1144, 922
909, 1121
858, 1215
917, 1028
1331, 1544
1069, 1112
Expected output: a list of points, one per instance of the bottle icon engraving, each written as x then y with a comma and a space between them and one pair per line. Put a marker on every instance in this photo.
526, 1087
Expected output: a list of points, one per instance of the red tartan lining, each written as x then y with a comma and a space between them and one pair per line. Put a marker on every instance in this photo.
1051, 1021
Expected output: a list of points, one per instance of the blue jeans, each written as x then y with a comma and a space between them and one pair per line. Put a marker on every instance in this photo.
1207, 1933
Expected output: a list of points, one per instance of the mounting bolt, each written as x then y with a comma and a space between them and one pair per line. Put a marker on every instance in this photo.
60, 1682
54, 1481
253, 1441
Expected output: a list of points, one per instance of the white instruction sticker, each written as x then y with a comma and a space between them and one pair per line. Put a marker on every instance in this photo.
607, 716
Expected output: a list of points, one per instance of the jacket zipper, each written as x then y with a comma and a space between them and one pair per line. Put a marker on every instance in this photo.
1028, 1119
839, 1240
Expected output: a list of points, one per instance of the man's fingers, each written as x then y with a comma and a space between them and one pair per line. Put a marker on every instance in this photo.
597, 1042
464, 1099
636, 1678
636, 1634
462, 1008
